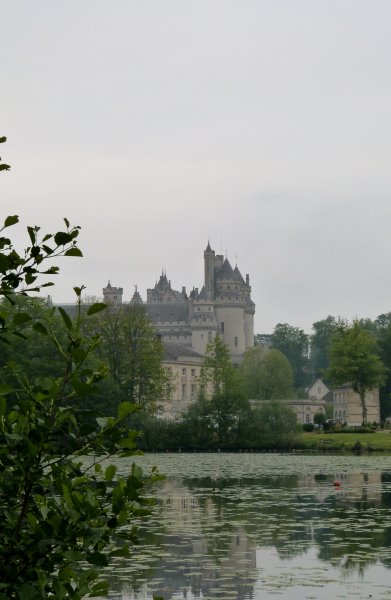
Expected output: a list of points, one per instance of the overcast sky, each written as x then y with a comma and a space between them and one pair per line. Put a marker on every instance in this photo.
263, 126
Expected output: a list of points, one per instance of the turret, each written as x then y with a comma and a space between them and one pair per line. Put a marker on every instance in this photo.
112, 295
209, 266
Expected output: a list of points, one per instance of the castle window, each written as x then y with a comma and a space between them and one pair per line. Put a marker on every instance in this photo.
229, 287
209, 335
184, 371
193, 372
222, 326
202, 336
236, 342
184, 391
193, 390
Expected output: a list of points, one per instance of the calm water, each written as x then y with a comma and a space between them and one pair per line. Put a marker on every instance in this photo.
256, 526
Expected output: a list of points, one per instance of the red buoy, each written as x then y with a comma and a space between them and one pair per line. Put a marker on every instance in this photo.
337, 483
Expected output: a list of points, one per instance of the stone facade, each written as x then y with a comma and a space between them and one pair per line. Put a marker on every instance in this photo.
184, 368
347, 406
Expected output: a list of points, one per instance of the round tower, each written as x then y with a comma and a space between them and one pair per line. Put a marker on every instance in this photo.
230, 303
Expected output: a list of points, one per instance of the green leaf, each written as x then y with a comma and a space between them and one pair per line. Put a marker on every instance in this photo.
95, 308
28, 592
39, 328
5, 389
66, 318
66, 222
73, 252
3, 406
11, 220
78, 290
32, 234
125, 409
98, 559
110, 472
21, 318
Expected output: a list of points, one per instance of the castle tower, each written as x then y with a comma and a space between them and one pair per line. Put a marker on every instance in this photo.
203, 324
209, 270
249, 312
112, 295
230, 303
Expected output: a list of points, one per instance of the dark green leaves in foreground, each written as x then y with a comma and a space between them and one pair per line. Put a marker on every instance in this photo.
62, 503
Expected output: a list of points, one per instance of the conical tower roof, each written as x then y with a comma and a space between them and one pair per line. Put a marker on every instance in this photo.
225, 273
238, 275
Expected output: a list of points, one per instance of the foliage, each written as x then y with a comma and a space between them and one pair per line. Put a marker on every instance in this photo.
60, 505
273, 425
294, 343
3, 167
134, 354
320, 342
267, 374
220, 379
354, 361
383, 334
319, 418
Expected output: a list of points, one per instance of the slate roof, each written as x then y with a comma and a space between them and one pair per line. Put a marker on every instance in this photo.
225, 273
238, 275
172, 351
166, 312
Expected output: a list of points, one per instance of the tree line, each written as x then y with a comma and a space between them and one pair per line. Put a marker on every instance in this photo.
340, 352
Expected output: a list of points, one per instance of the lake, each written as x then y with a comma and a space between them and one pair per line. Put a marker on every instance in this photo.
255, 526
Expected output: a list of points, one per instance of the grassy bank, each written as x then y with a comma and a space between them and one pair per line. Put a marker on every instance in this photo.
319, 440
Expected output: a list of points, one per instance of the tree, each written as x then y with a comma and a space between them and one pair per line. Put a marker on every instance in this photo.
134, 354
59, 507
267, 374
273, 425
294, 343
382, 327
227, 404
320, 342
354, 361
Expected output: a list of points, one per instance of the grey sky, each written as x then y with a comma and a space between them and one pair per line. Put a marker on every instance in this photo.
261, 125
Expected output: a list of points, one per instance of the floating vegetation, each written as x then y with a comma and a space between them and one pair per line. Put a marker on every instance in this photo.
253, 526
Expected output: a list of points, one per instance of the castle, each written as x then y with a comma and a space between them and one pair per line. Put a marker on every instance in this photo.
223, 307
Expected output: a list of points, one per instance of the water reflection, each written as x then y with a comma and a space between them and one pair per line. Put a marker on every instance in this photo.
230, 534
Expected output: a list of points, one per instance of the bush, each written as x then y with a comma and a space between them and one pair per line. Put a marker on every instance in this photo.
308, 427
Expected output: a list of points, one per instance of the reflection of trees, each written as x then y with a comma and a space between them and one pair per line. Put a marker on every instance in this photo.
209, 528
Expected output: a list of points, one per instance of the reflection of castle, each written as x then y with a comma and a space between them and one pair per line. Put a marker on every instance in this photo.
355, 487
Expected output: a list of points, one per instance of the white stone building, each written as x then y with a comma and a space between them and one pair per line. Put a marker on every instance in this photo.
347, 406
